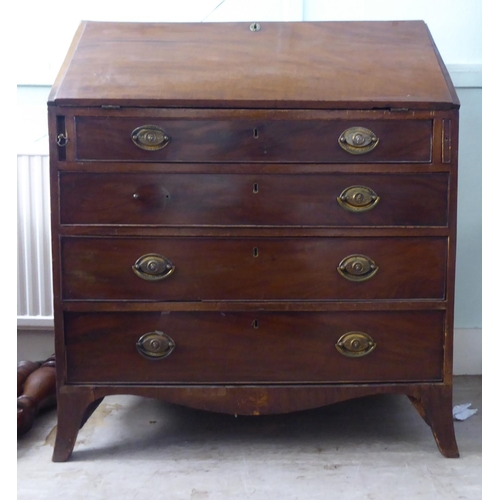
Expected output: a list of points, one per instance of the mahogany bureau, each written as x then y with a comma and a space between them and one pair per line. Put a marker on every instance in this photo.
253, 218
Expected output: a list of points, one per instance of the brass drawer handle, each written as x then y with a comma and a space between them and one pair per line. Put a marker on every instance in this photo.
357, 268
358, 140
150, 137
153, 267
155, 345
355, 344
358, 199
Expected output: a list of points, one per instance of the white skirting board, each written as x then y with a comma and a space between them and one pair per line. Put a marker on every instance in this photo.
467, 352
38, 345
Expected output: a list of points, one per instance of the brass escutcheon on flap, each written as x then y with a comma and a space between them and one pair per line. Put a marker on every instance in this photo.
155, 345
358, 140
358, 199
355, 344
357, 268
150, 137
153, 267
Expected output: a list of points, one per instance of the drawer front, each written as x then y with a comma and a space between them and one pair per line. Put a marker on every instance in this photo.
253, 268
236, 347
240, 199
246, 140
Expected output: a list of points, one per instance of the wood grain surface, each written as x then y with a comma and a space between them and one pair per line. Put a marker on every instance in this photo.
227, 269
250, 200
230, 347
241, 139
243, 202
342, 65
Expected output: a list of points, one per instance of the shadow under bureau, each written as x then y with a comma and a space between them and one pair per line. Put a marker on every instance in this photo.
253, 218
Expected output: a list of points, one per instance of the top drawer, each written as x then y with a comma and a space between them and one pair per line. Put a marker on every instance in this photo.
144, 139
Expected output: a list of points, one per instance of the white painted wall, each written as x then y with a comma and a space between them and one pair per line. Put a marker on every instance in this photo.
45, 30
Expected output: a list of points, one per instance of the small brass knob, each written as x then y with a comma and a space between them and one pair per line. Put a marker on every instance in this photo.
355, 344
155, 345
358, 199
153, 267
358, 140
357, 268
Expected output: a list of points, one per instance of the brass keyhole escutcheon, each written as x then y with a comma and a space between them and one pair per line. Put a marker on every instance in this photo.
355, 344
155, 345
358, 199
357, 268
255, 27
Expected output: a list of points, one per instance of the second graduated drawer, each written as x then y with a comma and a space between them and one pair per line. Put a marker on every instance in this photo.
194, 269
246, 199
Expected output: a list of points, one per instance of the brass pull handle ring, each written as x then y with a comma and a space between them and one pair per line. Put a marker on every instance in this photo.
357, 268
355, 344
358, 199
150, 137
153, 267
155, 345
62, 140
358, 140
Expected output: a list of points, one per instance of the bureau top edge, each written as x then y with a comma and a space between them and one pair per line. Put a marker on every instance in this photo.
254, 105
289, 65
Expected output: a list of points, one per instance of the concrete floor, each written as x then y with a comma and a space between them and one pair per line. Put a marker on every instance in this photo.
372, 448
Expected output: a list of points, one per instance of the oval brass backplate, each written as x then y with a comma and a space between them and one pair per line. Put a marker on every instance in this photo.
155, 345
153, 267
355, 344
150, 137
358, 140
358, 199
357, 268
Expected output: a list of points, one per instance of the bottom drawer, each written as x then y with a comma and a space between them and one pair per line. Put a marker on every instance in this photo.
261, 347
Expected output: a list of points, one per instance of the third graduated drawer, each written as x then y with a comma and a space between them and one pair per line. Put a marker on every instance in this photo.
173, 199
253, 268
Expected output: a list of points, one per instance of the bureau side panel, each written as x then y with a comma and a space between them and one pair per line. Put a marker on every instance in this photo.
450, 127
57, 126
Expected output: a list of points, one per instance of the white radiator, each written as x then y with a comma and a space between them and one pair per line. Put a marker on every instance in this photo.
34, 267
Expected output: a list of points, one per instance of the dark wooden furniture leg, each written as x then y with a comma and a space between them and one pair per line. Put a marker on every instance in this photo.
435, 406
37, 392
73, 410
24, 370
